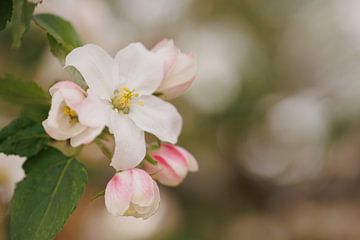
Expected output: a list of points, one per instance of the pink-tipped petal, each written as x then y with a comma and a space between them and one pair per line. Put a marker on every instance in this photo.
118, 193
143, 188
72, 98
173, 164
180, 77
65, 85
175, 91
165, 172
171, 167
174, 158
192, 163
168, 52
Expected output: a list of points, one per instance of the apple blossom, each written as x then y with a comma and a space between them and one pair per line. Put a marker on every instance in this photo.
11, 172
173, 164
132, 193
180, 69
63, 121
120, 97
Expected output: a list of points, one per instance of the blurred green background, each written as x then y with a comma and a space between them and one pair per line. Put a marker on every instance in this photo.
273, 118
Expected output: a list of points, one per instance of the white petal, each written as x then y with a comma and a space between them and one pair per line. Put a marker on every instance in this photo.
86, 137
12, 173
71, 93
156, 203
118, 193
138, 69
95, 65
58, 125
157, 117
143, 189
65, 85
63, 131
192, 163
73, 98
180, 77
130, 145
94, 112
57, 105
167, 51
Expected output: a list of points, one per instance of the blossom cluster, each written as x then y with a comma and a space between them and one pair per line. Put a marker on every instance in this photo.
128, 95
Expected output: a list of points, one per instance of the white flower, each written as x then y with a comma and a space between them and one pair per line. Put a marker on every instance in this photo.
120, 97
11, 172
63, 122
180, 69
173, 164
132, 193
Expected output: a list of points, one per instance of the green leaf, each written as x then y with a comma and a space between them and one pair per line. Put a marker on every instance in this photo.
44, 200
150, 159
23, 137
38, 113
15, 126
62, 36
15, 90
20, 21
76, 77
5, 12
57, 49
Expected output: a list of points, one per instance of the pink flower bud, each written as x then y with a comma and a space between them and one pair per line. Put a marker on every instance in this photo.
63, 121
173, 164
180, 69
132, 193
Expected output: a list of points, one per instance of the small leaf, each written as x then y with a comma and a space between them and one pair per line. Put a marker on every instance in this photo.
44, 200
57, 49
98, 195
15, 90
150, 159
23, 137
153, 146
76, 77
104, 149
5, 12
20, 21
61, 34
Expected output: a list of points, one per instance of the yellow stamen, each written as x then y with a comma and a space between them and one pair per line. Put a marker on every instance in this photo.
71, 114
122, 99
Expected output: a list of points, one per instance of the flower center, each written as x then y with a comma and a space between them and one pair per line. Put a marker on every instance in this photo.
122, 99
73, 117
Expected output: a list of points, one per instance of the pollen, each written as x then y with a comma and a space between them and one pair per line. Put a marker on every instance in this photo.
122, 99
71, 114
